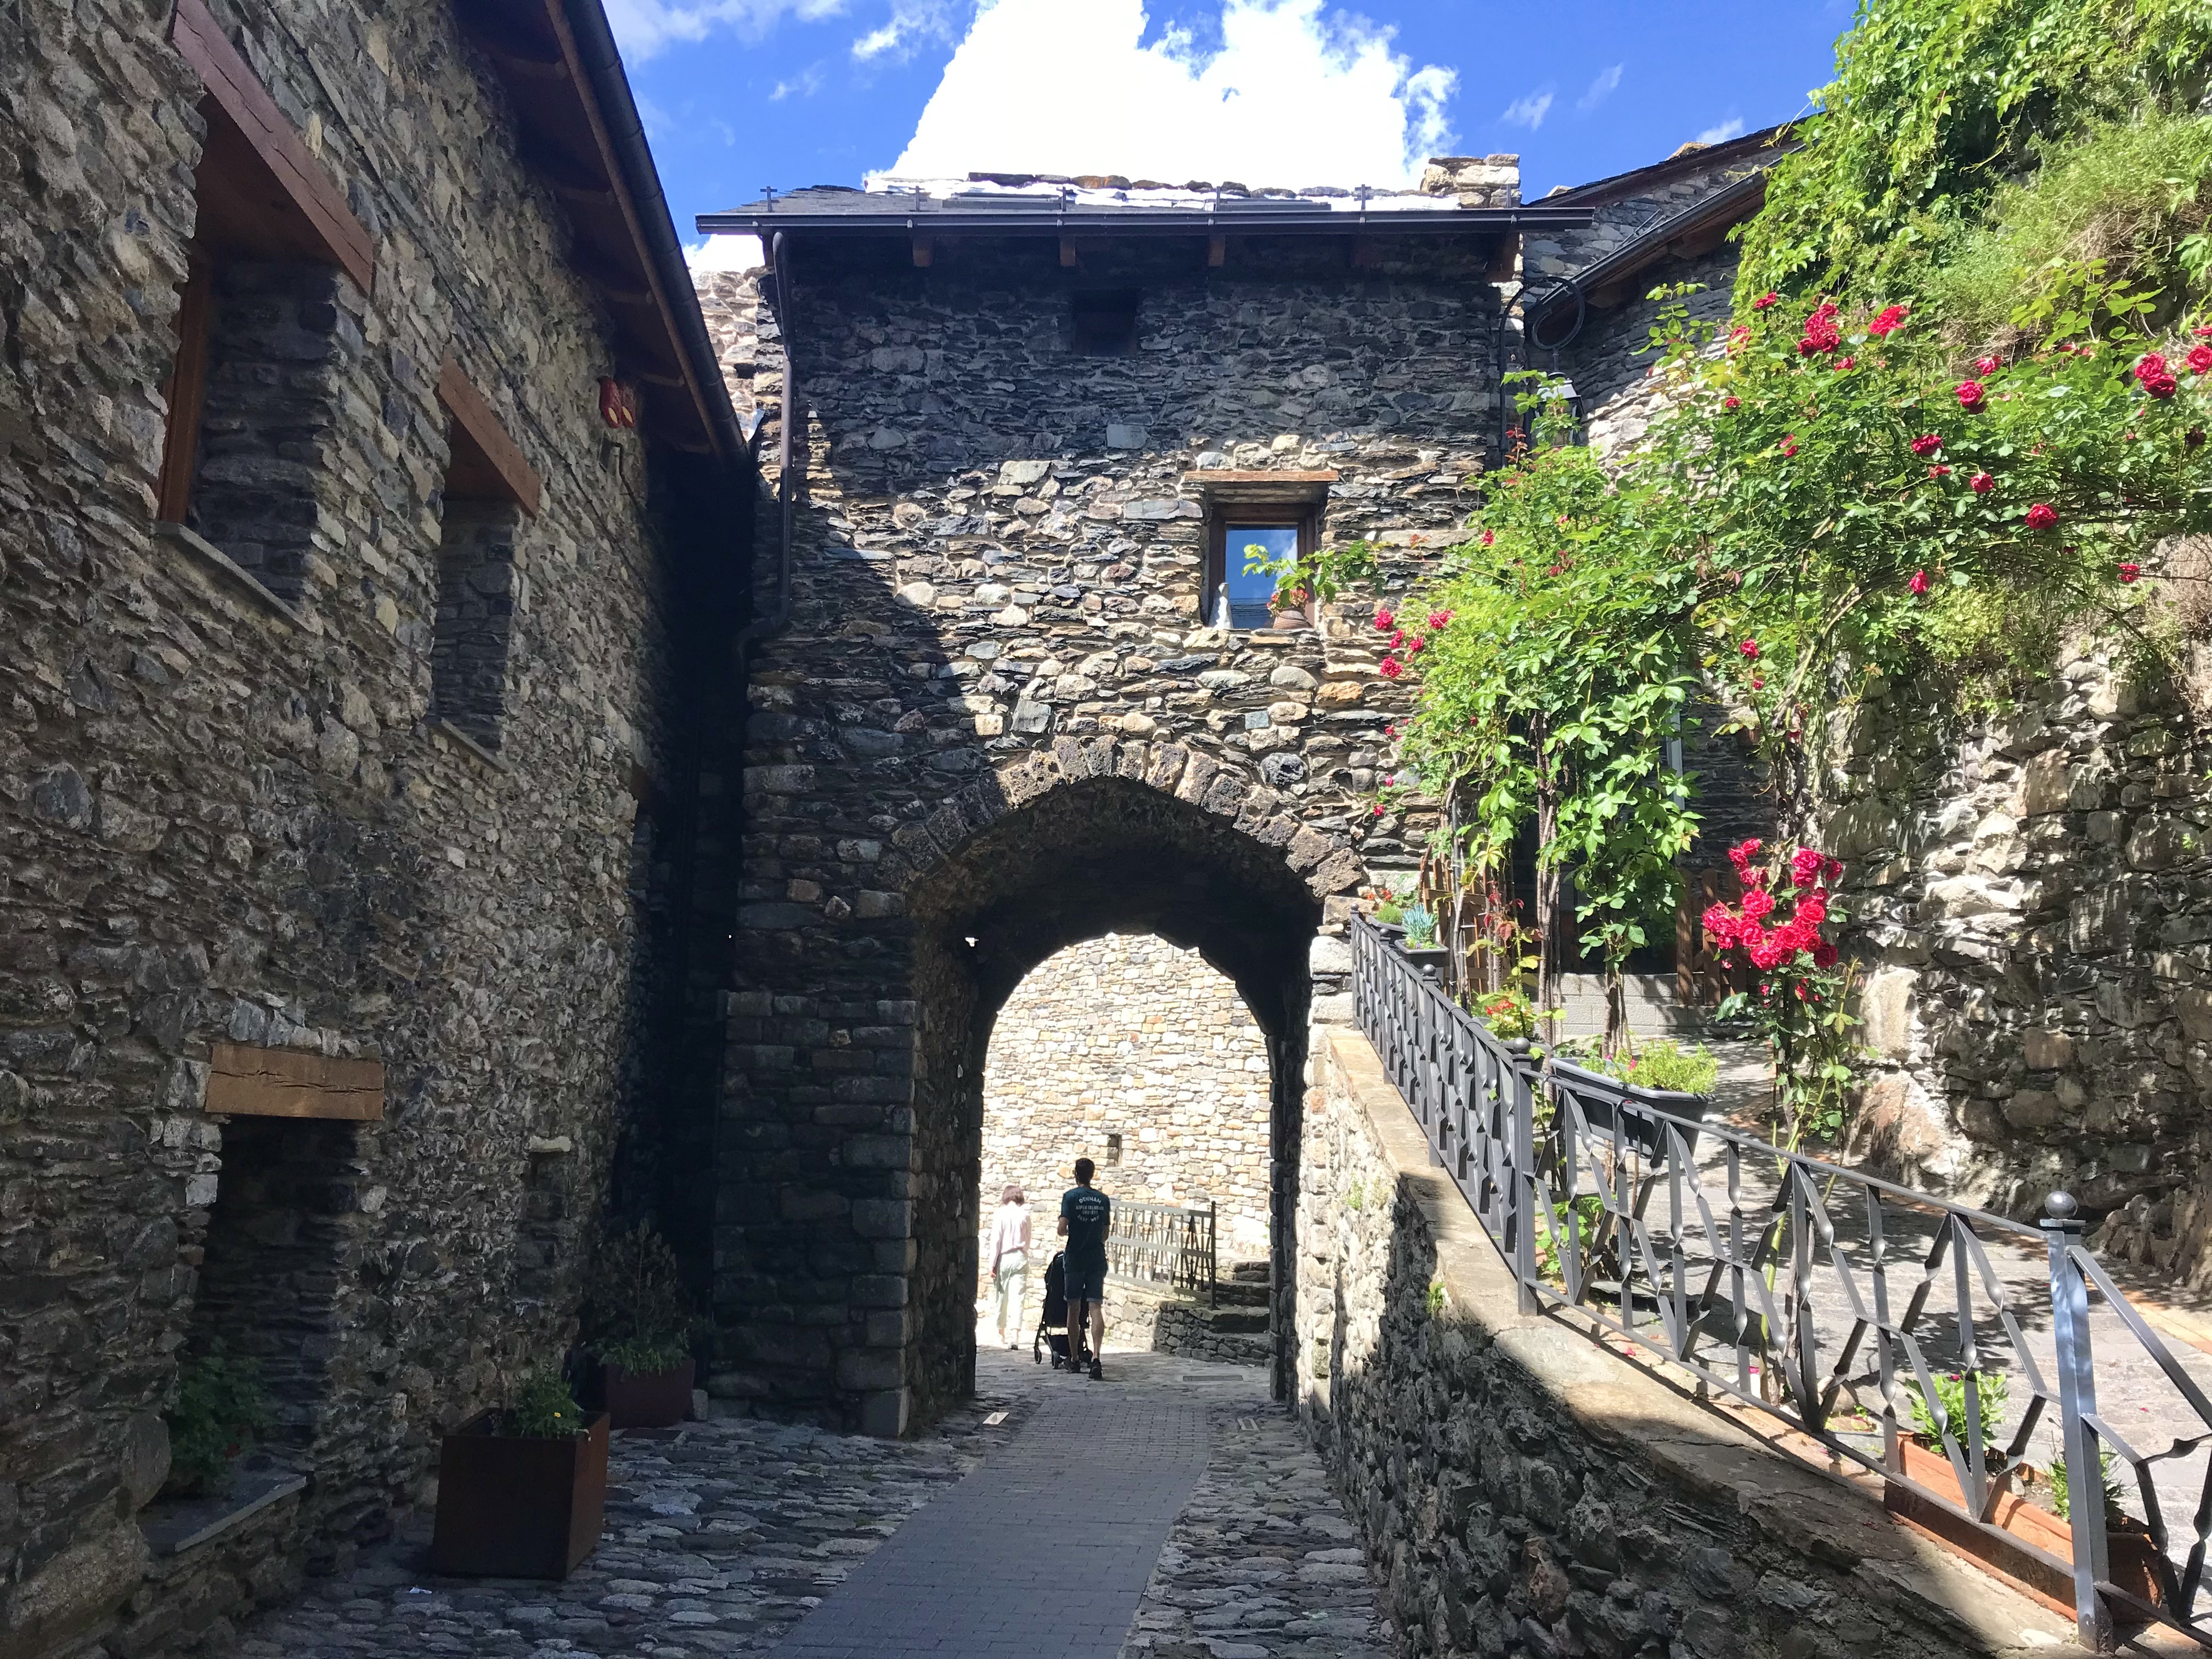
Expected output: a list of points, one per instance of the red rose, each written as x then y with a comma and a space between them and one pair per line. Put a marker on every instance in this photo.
1731, 402
1759, 682
2199, 359
1918, 584
1742, 852
1820, 333
1983, 484
1750, 649
1384, 619
1758, 902
1987, 365
1824, 955
2040, 517
1789, 443
1804, 866
1488, 537
1846, 362
1926, 444
2130, 572
1939, 472
1438, 619
1890, 318
1391, 668
1970, 395
1414, 646
1764, 300
1811, 910
1397, 640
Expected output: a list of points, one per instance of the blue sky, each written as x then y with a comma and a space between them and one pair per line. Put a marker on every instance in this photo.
742, 94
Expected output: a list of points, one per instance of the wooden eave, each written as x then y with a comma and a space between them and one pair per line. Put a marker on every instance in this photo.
563, 139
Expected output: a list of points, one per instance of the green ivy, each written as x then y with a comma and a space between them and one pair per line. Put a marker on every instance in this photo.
1935, 104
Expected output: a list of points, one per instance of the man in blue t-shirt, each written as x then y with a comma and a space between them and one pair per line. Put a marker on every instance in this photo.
1083, 1213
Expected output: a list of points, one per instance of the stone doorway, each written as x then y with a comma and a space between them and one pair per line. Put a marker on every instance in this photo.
850, 1167
1136, 1054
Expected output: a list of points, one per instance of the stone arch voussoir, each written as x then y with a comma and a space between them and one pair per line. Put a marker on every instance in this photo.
1323, 861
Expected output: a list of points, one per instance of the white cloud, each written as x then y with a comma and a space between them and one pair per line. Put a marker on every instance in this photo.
911, 22
804, 84
1731, 128
725, 253
1528, 110
1291, 98
645, 27
1600, 90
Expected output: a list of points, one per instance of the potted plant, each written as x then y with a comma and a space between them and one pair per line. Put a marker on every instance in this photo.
1663, 1075
2131, 1555
1421, 947
521, 1493
1305, 581
1291, 606
640, 1318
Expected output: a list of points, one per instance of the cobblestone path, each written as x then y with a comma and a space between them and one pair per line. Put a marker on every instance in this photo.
1211, 1536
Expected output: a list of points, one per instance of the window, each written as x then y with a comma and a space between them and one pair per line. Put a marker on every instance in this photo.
1236, 597
1113, 1150
1105, 323
488, 487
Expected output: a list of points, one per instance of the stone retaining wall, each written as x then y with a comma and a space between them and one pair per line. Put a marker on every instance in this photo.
1521, 1489
1130, 1037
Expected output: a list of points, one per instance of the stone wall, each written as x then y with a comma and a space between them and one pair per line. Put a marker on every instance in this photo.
1520, 1489
999, 566
227, 812
2029, 895
1129, 1037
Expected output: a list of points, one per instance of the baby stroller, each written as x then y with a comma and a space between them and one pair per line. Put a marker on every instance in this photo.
1052, 1329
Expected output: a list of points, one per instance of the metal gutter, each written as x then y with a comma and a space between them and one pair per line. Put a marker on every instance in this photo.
610, 86
1725, 206
1164, 221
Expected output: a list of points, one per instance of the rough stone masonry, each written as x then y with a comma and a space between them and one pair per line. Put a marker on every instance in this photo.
247, 853
1003, 720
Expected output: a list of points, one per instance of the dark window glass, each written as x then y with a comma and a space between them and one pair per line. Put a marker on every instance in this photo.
1105, 323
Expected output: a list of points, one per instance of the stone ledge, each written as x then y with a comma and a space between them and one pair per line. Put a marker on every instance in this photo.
213, 558
181, 1526
446, 728
1647, 1419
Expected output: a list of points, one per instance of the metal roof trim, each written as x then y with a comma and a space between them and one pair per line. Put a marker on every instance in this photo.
1174, 222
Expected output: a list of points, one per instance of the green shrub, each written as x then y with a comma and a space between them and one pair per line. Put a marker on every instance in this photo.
637, 1315
1388, 913
1668, 1065
219, 1409
2061, 1500
545, 1410
1951, 1394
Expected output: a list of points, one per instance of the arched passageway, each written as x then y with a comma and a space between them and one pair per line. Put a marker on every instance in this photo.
849, 1192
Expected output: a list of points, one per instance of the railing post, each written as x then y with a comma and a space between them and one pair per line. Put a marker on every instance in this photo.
1521, 1206
2063, 1230
1213, 1255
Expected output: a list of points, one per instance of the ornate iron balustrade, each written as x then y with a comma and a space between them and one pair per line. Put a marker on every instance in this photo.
1162, 1244
1846, 1306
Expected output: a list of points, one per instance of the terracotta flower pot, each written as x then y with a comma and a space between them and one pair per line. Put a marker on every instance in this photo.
2131, 1557
514, 1508
647, 1400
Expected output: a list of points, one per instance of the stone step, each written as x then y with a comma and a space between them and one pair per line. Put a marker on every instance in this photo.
1232, 1293
1226, 1320
1249, 1272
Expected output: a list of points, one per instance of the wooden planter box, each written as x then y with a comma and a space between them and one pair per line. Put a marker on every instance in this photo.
512, 1508
2132, 1557
647, 1400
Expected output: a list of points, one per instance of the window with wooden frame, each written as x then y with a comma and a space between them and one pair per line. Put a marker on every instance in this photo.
261, 196
1240, 534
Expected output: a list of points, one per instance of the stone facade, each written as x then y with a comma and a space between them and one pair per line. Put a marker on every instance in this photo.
1137, 1055
2028, 892
998, 724
1520, 1489
230, 813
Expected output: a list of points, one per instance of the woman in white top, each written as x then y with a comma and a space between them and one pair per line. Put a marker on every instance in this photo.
1010, 1262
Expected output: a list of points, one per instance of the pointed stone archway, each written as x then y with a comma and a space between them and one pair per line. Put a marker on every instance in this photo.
846, 1267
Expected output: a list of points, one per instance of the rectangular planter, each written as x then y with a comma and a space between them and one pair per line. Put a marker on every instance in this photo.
647, 1400
1592, 1087
515, 1508
2131, 1558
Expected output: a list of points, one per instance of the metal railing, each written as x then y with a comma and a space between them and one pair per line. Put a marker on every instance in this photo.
1163, 1244
1847, 1307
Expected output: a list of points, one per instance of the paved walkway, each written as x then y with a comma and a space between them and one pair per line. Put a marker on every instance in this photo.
1208, 1529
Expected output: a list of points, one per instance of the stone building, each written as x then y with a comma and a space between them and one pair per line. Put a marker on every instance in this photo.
1028, 420
1138, 1056
374, 521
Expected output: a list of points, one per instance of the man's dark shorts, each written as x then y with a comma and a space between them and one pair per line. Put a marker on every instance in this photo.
1086, 1282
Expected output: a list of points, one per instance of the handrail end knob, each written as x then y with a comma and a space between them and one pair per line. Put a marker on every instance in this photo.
2061, 1205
